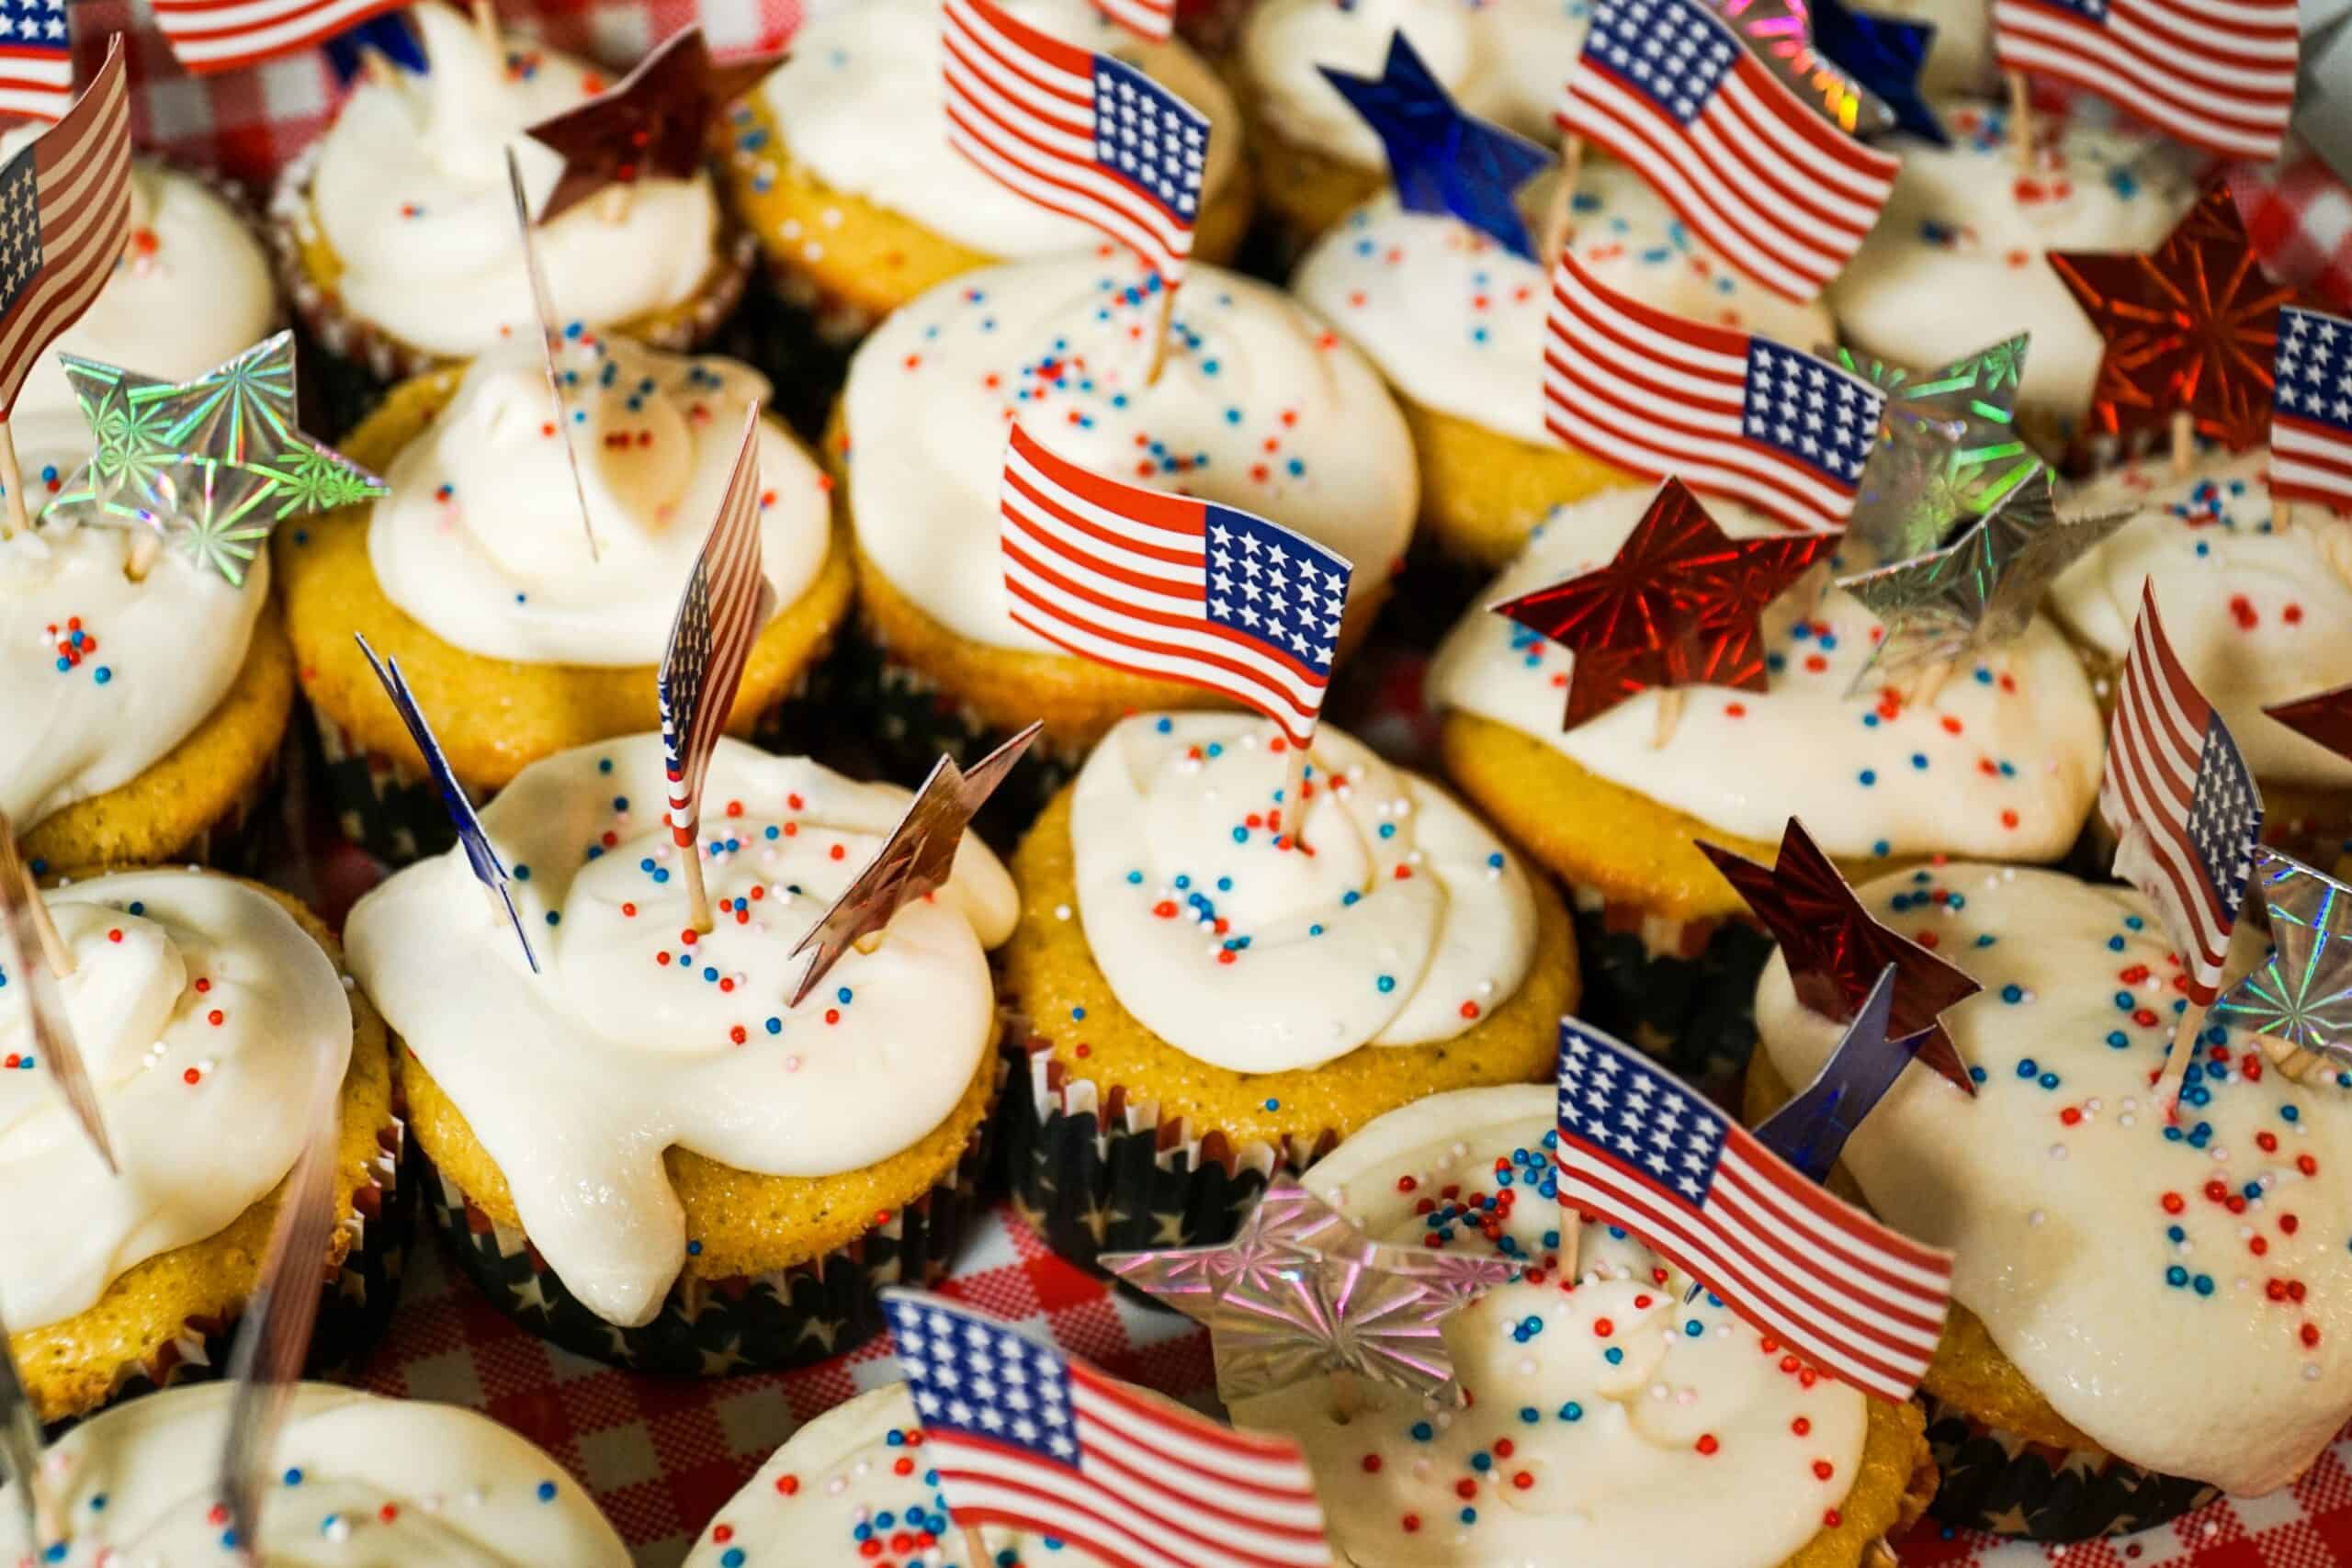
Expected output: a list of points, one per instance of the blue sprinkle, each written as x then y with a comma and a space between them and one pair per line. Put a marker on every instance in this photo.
547, 1492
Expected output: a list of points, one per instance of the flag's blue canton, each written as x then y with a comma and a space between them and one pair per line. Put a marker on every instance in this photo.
19, 228
1275, 587
2314, 379
678, 684
1147, 133
980, 1378
1640, 1114
35, 27
2222, 815
1823, 418
1672, 52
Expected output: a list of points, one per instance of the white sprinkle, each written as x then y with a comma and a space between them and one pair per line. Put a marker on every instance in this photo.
2057, 1151
1061, 912
2037, 1217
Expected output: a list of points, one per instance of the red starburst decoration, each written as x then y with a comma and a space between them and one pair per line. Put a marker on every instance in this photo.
655, 122
2191, 326
2325, 716
1836, 950
1681, 605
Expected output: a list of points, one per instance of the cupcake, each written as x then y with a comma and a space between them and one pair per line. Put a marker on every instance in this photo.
841, 163
1957, 260
1614, 1415
1213, 993
395, 231
1455, 322
386, 1481
2004, 764
760, 1168
1959, 52
202, 1006
1315, 158
1260, 406
476, 575
2143, 1312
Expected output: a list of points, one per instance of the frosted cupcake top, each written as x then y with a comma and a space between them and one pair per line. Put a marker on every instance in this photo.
410, 189
633, 1037
195, 1000
1260, 406
2004, 765
480, 539
860, 105
1501, 59
1956, 261
1388, 916
1457, 322
1611, 1423
2258, 615
2182, 1294
365, 1482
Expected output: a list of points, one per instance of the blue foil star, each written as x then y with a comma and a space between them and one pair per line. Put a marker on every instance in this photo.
1443, 160
1810, 1131
389, 35
1883, 54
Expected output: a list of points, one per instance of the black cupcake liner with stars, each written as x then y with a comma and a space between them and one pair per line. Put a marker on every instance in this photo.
1684, 994
1999, 1481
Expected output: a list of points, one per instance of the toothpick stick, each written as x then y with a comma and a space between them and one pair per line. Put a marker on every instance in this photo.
613, 204
2184, 1046
1292, 803
1669, 716
1929, 683
1559, 213
2184, 443
698, 896
14, 478
975, 1548
146, 544
2021, 122
486, 24
2282, 516
1160, 340
380, 68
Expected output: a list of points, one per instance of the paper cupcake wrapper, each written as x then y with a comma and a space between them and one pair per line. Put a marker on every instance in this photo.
1682, 990
1999, 1481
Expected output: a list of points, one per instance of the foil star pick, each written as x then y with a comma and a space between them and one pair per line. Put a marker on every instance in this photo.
1948, 449
2324, 717
2301, 992
1836, 950
1810, 1131
654, 123
1680, 605
1785, 36
1883, 56
2301, 895
916, 859
2191, 326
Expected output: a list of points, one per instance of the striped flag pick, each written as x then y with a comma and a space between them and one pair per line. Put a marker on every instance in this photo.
2215, 73
209, 35
1171, 586
1730, 414
1755, 170
69, 194
2311, 410
2182, 805
1152, 19
1082, 134
728, 600
1024, 1437
36, 58
1641, 1150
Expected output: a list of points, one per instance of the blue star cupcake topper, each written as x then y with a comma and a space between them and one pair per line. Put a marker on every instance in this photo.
1885, 55
1443, 160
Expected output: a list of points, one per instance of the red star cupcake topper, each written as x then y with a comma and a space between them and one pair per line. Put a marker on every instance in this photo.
1681, 605
1836, 950
655, 122
2191, 327
2325, 716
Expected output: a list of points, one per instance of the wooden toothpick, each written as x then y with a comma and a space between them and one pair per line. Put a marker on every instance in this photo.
2184, 1048
2184, 443
1159, 339
380, 68
14, 478
698, 896
486, 24
2021, 122
975, 1548
1669, 716
1559, 213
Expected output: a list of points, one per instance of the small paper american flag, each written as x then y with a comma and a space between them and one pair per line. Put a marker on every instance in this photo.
1170, 586
1023, 1436
1643, 1151
1152, 19
2311, 410
36, 58
2216, 73
208, 35
64, 218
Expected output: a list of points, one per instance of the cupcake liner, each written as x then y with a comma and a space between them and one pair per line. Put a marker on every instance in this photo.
1999, 1481
1684, 991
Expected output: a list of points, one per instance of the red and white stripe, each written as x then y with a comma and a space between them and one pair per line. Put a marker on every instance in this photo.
2310, 461
82, 183
35, 82
1152, 19
740, 602
222, 35
2216, 73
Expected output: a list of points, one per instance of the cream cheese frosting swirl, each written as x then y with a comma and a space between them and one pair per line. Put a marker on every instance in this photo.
1611, 1423
196, 1002
410, 189
104, 675
481, 538
361, 1482
1457, 322
1392, 917
2258, 615
633, 1038
861, 105
1260, 406
2181, 1294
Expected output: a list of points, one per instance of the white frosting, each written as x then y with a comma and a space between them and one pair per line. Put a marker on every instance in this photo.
575, 1079
411, 191
1501, 59
2004, 764
838, 1483
1956, 261
1260, 406
1401, 922
167, 649
1457, 322
363, 1482
145, 990
861, 104
2257, 617
2051, 1185
1616, 1453
480, 539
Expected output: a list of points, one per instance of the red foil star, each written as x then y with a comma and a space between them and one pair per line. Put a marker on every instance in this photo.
1681, 605
655, 122
1836, 950
2191, 326
2325, 716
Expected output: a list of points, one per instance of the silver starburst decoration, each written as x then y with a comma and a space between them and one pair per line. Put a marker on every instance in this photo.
1948, 451
2302, 992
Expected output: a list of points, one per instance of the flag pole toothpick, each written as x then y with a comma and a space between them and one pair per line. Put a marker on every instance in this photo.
697, 894
2184, 1048
1670, 703
13, 480
2021, 122
1559, 213
2184, 443
1160, 335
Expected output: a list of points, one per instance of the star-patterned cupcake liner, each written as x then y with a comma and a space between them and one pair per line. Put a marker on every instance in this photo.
1682, 990
2000, 1482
